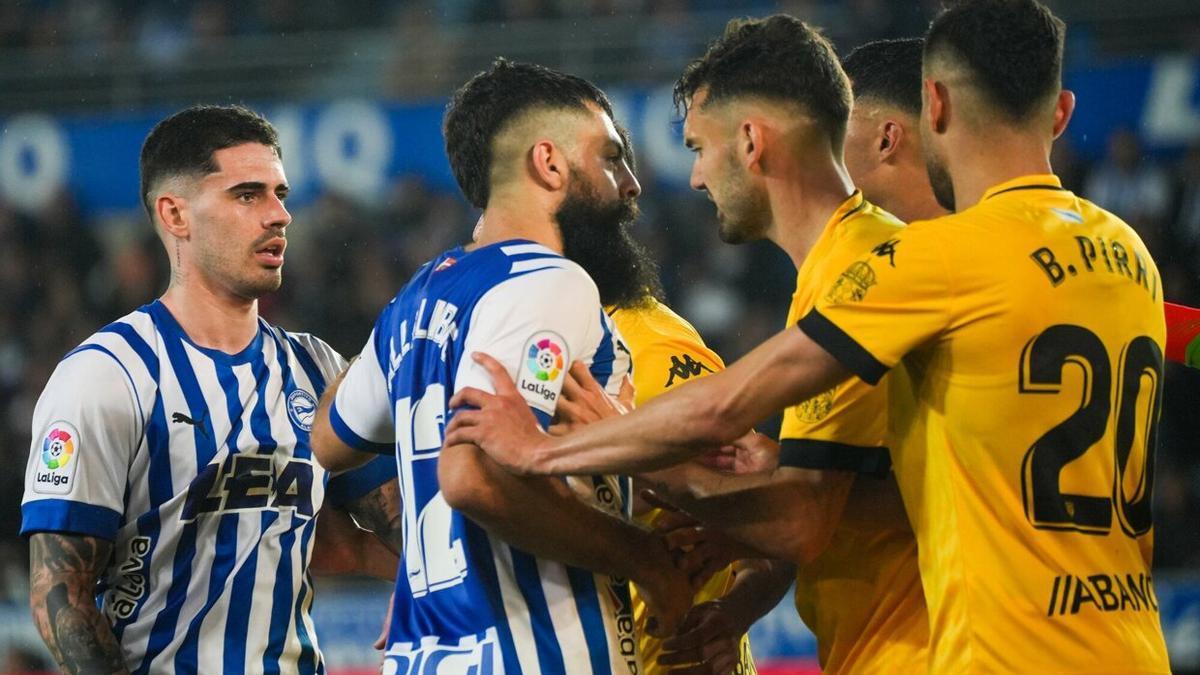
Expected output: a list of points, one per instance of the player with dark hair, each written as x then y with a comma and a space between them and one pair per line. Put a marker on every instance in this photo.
171, 495
495, 569
883, 142
1022, 408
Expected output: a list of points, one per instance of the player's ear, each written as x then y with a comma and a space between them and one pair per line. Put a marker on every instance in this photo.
937, 105
891, 135
171, 210
548, 165
1063, 108
751, 143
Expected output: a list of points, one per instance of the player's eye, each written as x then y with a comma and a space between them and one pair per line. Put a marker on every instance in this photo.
247, 197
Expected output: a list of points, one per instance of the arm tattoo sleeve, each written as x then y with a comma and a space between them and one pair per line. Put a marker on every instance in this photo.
379, 512
63, 573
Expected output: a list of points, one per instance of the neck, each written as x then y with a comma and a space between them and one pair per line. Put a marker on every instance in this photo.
211, 318
803, 201
979, 166
507, 218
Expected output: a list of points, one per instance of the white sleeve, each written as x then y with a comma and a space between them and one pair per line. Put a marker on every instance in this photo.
328, 361
361, 414
86, 427
536, 325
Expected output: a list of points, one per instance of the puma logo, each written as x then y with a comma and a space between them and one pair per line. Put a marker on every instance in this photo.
179, 417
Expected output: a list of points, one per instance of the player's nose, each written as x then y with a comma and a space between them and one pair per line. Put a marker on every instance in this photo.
277, 215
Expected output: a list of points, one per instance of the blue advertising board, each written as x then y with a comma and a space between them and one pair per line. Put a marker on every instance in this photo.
360, 146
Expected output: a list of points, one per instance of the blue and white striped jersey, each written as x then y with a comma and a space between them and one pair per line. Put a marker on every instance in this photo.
196, 464
465, 601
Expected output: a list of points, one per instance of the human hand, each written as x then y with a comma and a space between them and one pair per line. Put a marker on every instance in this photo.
752, 453
708, 643
501, 424
584, 401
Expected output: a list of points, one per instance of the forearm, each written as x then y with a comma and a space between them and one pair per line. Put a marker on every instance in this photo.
789, 514
63, 573
544, 518
757, 588
709, 412
327, 448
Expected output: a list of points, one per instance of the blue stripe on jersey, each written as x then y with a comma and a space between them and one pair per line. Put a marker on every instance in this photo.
132, 386
60, 515
482, 562
139, 346
550, 656
583, 587
281, 604
602, 362
308, 651
237, 624
165, 624
225, 553
308, 364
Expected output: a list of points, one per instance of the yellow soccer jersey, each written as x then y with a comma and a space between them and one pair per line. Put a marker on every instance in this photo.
862, 597
667, 352
1028, 333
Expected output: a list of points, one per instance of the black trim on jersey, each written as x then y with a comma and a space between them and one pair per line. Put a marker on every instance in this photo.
853, 210
1029, 187
807, 453
843, 347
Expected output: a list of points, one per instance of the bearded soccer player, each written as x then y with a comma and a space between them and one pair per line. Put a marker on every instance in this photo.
1022, 408
171, 494
667, 351
503, 574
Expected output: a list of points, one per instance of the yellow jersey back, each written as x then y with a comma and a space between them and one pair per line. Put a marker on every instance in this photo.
666, 352
862, 596
1028, 333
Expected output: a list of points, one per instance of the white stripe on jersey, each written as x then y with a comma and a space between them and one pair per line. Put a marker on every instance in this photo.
519, 624
565, 616
538, 264
521, 249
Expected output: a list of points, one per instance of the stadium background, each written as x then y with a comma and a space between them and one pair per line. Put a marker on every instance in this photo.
357, 89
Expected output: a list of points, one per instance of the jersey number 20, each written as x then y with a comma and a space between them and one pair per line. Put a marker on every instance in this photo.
1042, 363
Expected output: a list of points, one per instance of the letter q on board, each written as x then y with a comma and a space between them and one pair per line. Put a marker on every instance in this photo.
33, 161
352, 148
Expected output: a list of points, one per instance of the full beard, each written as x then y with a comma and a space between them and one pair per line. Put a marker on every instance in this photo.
596, 234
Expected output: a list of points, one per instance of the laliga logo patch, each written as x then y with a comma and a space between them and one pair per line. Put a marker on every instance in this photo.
56, 472
541, 379
302, 408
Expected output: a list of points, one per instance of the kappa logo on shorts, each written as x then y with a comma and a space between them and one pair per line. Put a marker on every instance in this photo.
302, 409
55, 473
540, 377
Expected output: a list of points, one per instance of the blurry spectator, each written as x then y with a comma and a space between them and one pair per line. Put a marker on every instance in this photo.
1186, 227
1133, 188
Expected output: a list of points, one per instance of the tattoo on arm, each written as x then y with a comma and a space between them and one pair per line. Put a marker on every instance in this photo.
63, 573
379, 511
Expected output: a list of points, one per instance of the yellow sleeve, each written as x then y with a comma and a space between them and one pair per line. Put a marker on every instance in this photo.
884, 305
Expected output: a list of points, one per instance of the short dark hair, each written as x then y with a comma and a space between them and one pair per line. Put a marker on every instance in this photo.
491, 100
888, 71
780, 58
1013, 49
184, 143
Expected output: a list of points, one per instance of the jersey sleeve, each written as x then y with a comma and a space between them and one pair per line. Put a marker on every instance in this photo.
885, 304
361, 414
664, 364
535, 324
86, 427
346, 487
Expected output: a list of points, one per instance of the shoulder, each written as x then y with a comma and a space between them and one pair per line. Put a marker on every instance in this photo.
654, 321
311, 345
